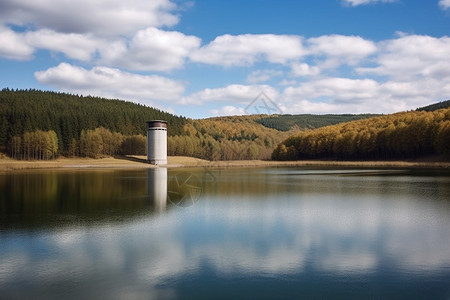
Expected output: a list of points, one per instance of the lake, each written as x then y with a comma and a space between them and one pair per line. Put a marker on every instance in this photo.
260, 233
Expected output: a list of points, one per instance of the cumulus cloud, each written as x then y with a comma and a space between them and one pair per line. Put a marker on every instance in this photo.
245, 50
342, 89
303, 69
329, 73
413, 55
341, 45
444, 4
116, 35
103, 17
340, 49
232, 94
229, 110
151, 49
111, 83
262, 75
14, 46
73, 45
344, 95
364, 2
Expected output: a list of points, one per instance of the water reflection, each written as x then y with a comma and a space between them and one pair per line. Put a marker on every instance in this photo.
58, 198
157, 188
256, 233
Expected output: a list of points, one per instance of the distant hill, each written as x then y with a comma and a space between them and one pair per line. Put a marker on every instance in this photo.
308, 121
435, 106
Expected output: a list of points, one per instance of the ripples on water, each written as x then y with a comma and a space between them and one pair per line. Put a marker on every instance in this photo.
242, 233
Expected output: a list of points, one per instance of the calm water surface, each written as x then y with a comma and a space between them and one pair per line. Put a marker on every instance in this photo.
284, 233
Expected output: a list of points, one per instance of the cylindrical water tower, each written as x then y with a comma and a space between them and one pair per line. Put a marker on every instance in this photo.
157, 142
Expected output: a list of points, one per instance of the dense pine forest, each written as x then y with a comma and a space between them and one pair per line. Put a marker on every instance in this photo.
308, 121
435, 106
32, 121
406, 135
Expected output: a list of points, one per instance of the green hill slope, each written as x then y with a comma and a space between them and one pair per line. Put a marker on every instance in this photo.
67, 115
308, 121
435, 106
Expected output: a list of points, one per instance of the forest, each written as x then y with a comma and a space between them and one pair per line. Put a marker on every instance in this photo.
405, 135
29, 117
307, 121
226, 138
45, 125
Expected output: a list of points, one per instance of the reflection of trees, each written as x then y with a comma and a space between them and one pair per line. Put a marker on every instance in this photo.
52, 197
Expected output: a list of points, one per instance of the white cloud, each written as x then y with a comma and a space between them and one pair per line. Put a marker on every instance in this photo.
111, 83
229, 110
151, 49
444, 4
341, 45
262, 75
76, 46
232, 94
338, 89
245, 50
340, 49
303, 69
364, 2
14, 46
344, 95
102, 17
411, 56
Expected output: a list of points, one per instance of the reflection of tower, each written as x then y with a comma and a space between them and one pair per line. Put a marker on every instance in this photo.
157, 142
157, 187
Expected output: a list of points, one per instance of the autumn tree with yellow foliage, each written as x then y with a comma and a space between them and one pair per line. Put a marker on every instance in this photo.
406, 135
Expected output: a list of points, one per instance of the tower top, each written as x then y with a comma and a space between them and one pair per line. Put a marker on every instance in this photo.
157, 123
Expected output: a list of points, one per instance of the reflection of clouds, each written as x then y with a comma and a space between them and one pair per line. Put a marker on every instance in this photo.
11, 263
233, 259
336, 233
348, 261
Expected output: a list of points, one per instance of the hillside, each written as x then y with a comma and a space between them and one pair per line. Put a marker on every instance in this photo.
44, 125
308, 121
406, 135
226, 138
26, 111
435, 106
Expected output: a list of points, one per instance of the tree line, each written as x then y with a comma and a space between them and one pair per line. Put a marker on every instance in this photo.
27, 111
226, 138
307, 121
405, 135
95, 127
94, 143
39, 144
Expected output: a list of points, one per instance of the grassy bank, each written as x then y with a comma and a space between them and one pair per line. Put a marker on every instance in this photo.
133, 162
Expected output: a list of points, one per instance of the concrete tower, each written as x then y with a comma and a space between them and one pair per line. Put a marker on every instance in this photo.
157, 142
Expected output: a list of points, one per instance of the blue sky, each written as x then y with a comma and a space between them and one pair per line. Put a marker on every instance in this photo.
207, 58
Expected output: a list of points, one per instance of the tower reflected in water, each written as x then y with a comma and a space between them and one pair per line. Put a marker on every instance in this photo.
157, 188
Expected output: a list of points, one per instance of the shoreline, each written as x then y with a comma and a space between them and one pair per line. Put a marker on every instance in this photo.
136, 162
